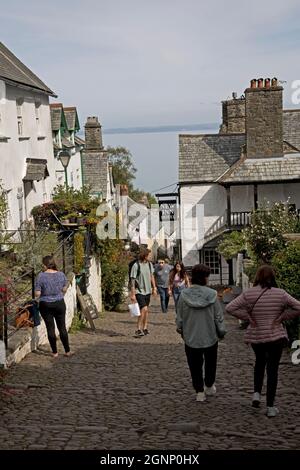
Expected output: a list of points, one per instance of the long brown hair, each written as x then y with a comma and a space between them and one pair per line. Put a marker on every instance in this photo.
49, 262
265, 277
182, 272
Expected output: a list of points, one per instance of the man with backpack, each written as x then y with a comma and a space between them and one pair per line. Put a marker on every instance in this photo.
141, 281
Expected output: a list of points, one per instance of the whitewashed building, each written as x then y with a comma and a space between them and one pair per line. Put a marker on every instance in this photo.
26, 150
222, 177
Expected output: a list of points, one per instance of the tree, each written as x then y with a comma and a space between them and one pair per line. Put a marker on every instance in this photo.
124, 172
231, 244
122, 165
265, 235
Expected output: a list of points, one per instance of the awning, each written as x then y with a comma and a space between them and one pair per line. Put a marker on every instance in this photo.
36, 169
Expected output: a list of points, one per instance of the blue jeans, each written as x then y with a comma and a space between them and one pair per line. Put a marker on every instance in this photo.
164, 298
176, 294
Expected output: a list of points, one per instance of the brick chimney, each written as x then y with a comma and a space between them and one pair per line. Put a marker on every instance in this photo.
233, 116
93, 134
264, 119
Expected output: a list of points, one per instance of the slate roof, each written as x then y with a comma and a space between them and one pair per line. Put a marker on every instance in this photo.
56, 111
291, 127
253, 170
204, 158
36, 169
12, 70
72, 118
79, 141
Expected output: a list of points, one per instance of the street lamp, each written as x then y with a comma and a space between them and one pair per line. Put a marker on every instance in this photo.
64, 157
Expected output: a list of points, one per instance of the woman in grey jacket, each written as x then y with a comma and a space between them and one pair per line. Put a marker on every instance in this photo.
200, 321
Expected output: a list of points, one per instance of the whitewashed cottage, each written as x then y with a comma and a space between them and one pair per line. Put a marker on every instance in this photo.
222, 177
26, 151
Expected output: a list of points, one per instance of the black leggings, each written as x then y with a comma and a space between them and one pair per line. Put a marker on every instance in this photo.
51, 311
267, 356
195, 358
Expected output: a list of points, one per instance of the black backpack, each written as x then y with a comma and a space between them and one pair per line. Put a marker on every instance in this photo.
130, 266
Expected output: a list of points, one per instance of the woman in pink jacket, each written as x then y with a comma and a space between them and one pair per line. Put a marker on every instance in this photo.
265, 307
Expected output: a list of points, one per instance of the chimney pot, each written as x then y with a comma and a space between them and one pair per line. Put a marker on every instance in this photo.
253, 83
267, 82
260, 82
234, 95
274, 82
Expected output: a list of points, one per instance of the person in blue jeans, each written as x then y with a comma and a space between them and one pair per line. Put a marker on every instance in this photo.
162, 271
178, 280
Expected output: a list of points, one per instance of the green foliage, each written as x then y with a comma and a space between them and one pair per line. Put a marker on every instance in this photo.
287, 265
231, 244
3, 207
34, 246
122, 165
78, 323
265, 234
65, 204
141, 196
78, 252
114, 271
72, 195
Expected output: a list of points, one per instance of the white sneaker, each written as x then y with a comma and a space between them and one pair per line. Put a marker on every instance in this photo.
200, 396
256, 400
272, 411
210, 391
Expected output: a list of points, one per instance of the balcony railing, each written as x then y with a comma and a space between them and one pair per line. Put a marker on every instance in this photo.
238, 220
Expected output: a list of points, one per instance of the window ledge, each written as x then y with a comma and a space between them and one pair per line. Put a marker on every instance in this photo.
21, 137
41, 137
4, 138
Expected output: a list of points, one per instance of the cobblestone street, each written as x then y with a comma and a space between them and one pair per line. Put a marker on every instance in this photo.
119, 392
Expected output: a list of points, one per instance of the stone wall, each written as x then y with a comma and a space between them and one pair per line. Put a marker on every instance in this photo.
264, 122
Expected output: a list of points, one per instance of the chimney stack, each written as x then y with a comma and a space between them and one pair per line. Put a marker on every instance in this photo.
264, 119
93, 134
233, 116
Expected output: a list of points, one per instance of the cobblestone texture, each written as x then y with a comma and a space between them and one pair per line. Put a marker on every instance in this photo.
119, 392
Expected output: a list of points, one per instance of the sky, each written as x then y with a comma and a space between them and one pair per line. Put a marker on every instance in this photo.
153, 62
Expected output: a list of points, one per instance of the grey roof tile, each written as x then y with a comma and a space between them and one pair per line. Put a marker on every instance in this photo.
56, 116
206, 157
269, 169
291, 127
71, 119
36, 169
13, 70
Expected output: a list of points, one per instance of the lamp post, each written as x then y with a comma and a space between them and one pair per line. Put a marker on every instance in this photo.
64, 157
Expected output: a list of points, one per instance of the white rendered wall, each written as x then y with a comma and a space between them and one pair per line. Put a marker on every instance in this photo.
35, 142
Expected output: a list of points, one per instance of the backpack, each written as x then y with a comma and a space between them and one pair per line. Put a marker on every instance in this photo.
130, 266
